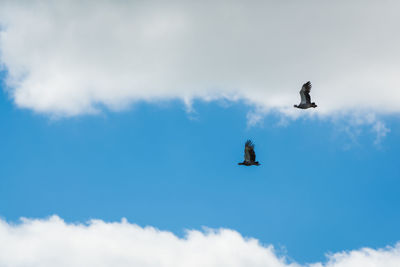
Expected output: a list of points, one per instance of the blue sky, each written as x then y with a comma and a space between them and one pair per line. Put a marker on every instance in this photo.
316, 191
140, 110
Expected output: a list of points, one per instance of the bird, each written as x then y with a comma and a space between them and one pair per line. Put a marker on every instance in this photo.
305, 97
249, 155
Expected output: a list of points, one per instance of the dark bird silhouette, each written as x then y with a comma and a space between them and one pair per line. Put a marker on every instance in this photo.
305, 97
249, 155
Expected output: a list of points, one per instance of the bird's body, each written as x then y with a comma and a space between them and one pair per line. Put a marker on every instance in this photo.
249, 155
305, 97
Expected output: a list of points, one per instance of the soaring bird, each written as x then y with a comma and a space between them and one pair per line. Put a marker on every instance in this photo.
249, 155
305, 97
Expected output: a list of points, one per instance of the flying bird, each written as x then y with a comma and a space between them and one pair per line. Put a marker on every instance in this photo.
305, 97
249, 155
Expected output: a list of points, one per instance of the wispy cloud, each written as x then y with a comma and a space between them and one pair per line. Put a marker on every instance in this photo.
381, 131
354, 125
53, 242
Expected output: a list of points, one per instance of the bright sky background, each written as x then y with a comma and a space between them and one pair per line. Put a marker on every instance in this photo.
167, 157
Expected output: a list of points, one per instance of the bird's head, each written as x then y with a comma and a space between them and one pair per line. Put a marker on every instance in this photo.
295, 106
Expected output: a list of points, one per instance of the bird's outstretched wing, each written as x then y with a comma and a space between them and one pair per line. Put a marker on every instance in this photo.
249, 154
252, 155
305, 93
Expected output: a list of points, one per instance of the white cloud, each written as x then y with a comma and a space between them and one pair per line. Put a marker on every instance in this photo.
68, 58
73, 57
381, 131
355, 122
52, 242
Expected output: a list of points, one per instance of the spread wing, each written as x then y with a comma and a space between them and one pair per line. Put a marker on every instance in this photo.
305, 93
252, 155
249, 154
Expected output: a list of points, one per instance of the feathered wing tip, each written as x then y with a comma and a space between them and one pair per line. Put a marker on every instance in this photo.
249, 143
307, 86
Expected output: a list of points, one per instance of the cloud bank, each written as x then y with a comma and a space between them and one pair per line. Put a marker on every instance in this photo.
52, 242
69, 58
